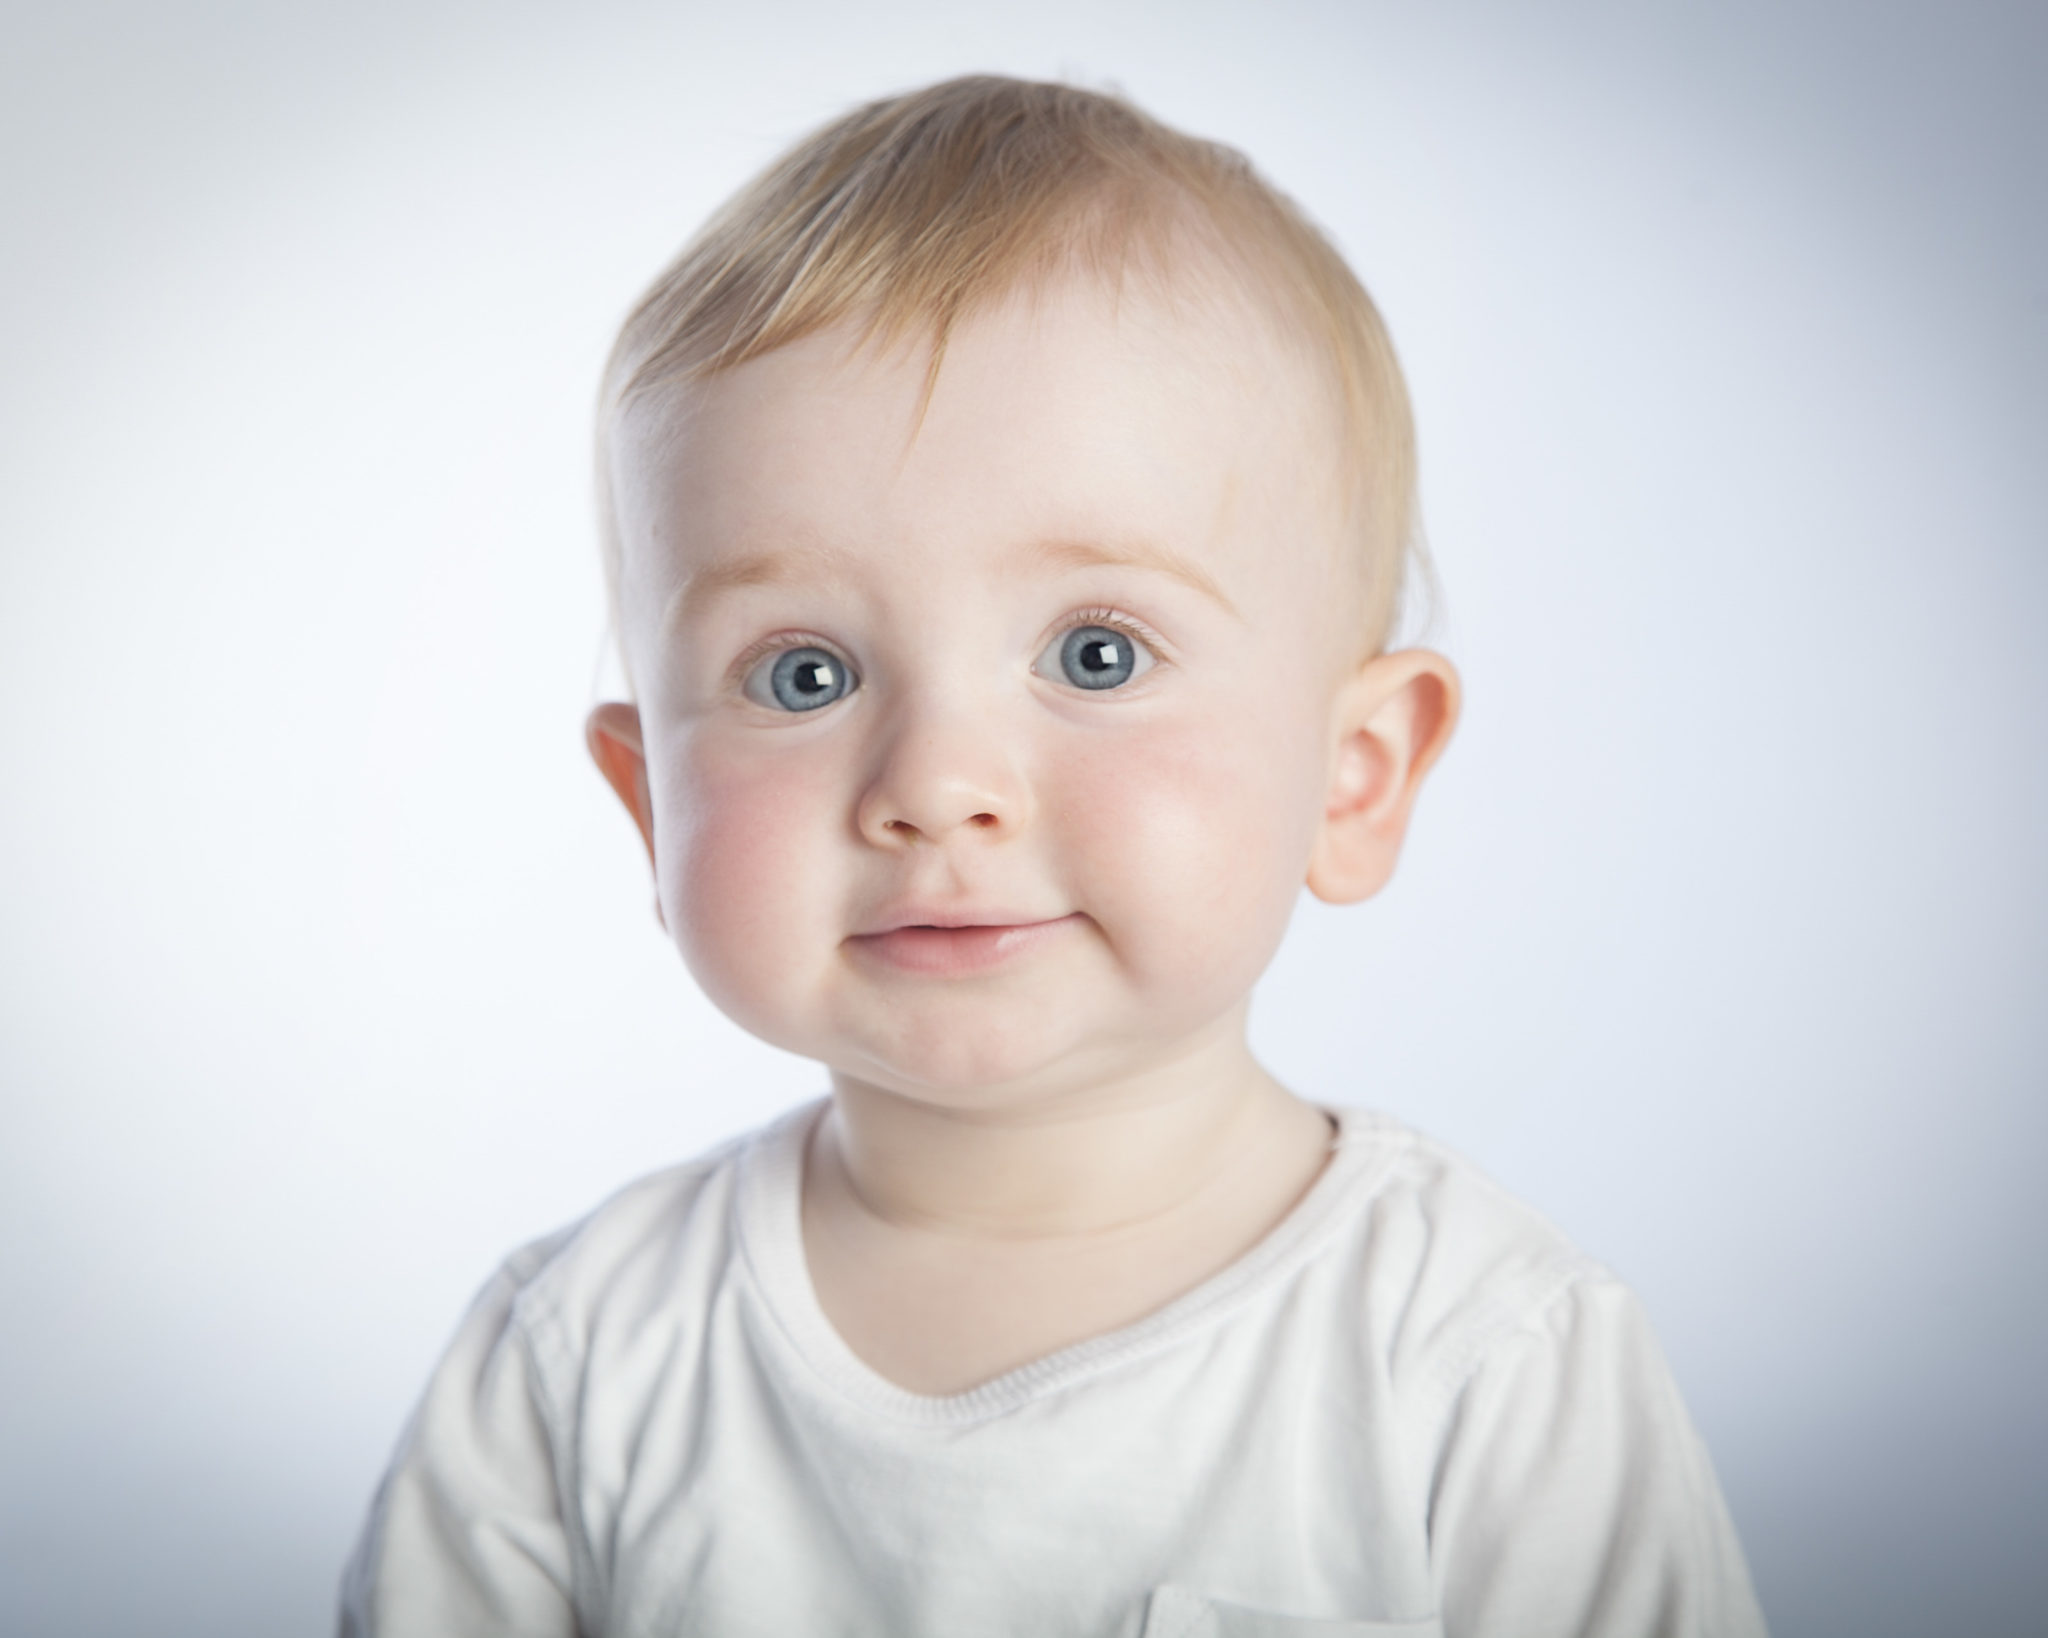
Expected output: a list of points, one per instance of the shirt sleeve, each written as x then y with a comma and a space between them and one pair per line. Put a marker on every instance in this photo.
466, 1534
1572, 1497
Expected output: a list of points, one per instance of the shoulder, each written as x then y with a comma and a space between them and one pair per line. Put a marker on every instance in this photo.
1451, 1267
656, 1252
1567, 1489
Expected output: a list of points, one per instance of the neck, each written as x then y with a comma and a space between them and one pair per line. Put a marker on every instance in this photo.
1090, 1163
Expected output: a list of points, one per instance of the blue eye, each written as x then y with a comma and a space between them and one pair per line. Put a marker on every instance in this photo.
1097, 657
799, 679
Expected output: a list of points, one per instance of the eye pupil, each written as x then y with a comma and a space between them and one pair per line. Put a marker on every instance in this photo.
1096, 657
805, 678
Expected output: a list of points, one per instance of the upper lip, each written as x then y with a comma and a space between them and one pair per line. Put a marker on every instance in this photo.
892, 921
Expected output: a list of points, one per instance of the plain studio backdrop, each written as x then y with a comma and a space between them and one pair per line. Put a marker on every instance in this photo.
327, 967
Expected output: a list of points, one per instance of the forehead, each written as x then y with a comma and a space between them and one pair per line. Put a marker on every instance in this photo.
1082, 413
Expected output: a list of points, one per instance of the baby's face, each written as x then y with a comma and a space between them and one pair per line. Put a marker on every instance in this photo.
986, 747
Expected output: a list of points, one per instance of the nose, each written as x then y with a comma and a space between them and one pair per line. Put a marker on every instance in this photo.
940, 778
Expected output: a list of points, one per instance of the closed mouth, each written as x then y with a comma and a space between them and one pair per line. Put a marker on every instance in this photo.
951, 948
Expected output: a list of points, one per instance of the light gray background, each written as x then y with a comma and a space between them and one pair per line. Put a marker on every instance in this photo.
327, 971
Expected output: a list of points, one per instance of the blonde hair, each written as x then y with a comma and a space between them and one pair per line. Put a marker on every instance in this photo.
912, 213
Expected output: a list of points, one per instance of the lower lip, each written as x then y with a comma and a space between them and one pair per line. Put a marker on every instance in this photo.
950, 952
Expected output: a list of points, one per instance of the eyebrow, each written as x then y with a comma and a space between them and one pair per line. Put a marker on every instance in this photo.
1089, 554
793, 564
785, 566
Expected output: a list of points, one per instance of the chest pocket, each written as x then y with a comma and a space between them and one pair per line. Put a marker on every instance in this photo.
1175, 1612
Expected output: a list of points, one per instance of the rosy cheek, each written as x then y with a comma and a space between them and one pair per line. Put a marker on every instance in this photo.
1199, 839
744, 859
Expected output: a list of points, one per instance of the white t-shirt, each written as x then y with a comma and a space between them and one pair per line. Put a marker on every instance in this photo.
1412, 1409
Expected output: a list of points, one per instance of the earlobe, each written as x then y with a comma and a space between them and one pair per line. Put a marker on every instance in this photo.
612, 732
1390, 722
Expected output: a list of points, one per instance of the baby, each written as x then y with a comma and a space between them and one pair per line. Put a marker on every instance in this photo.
1006, 504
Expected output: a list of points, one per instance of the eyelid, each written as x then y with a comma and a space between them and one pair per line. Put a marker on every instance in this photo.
1116, 620
779, 642
1141, 636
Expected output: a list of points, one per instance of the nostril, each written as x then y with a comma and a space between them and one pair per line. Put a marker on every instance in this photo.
982, 821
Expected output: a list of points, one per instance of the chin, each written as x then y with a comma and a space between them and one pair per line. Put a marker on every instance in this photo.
961, 1063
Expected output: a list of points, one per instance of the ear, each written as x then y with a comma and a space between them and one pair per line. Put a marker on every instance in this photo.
1390, 722
612, 732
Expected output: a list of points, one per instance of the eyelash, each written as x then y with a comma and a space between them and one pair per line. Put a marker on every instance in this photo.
754, 653
1114, 619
